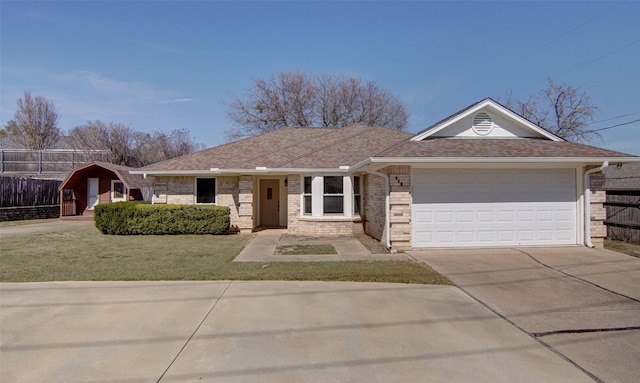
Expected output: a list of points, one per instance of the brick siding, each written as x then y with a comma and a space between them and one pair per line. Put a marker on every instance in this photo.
233, 192
598, 210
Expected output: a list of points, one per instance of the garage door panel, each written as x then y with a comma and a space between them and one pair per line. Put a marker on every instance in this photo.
510, 207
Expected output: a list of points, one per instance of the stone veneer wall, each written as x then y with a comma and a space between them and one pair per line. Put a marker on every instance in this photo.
598, 211
298, 225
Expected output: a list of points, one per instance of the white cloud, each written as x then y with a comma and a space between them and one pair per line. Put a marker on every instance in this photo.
176, 101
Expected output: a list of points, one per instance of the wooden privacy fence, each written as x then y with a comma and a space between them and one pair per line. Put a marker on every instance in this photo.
623, 215
18, 191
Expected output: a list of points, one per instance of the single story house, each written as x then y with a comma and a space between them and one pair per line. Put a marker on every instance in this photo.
99, 182
484, 176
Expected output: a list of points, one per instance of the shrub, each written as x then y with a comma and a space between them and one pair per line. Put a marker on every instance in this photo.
130, 218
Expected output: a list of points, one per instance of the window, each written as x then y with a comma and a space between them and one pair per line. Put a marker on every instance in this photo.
333, 197
205, 190
118, 191
357, 199
306, 196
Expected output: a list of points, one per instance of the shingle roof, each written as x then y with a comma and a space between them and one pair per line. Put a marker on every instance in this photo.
309, 148
132, 181
626, 177
451, 148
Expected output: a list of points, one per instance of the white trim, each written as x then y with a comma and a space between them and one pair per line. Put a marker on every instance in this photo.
317, 196
487, 103
247, 172
124, 195
195, 191
413, 161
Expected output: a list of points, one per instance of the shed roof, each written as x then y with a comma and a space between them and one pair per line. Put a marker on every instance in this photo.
131, 181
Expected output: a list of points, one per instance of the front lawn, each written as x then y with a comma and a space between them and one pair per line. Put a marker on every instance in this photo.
85, 254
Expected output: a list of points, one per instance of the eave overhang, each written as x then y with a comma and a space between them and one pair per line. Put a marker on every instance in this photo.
380, 162
230, 172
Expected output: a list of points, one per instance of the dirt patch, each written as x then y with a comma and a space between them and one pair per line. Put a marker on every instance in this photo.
632, 249
322, 249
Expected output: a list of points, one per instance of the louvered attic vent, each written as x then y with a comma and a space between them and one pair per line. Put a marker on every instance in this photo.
482, 124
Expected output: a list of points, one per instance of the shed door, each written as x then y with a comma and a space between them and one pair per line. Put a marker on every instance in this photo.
93, 192
477, 207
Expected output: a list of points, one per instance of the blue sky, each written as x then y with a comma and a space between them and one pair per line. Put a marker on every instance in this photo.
161, 65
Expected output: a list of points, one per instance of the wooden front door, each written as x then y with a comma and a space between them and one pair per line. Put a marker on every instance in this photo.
93, 192
270, 203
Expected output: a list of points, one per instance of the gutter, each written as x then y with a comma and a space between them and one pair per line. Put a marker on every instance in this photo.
387, 225
587, 202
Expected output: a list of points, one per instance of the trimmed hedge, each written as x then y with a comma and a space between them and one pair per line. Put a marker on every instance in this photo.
134, 218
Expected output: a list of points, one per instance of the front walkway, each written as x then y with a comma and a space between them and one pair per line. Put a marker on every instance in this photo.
263, 246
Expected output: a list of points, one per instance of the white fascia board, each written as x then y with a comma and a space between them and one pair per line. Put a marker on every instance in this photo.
458, 160
254, 171
172, 172
496, 107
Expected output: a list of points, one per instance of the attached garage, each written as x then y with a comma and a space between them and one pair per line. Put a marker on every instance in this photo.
493, 207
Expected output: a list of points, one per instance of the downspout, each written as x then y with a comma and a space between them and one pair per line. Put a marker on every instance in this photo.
587, 202
386, 204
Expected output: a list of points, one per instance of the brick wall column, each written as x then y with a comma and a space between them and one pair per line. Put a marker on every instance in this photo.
293, 202
228, 195
598, 210
400, 205
245, 204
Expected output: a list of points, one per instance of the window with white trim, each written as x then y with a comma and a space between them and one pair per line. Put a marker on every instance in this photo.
333, 196
118, 191
307, 196
357, 198
206, 190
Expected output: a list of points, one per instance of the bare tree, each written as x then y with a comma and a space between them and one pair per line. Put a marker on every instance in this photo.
161, 146
120, 140
301, 100
564, 110
35, 123
129, 147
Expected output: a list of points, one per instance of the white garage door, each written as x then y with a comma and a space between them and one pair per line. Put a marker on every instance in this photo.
474, 207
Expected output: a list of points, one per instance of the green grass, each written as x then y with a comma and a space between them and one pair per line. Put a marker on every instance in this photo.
83, 254
306, 250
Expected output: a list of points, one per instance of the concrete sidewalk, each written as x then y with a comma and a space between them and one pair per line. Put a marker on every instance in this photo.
262, 331
263, 246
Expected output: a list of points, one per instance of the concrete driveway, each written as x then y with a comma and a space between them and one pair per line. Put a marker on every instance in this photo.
262, 331
583, 303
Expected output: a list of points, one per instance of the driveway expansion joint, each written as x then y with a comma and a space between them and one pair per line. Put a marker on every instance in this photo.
582, 331
575, 277
194, 331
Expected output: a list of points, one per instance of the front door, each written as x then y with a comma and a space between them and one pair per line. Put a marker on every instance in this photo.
93, 192
270, 203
